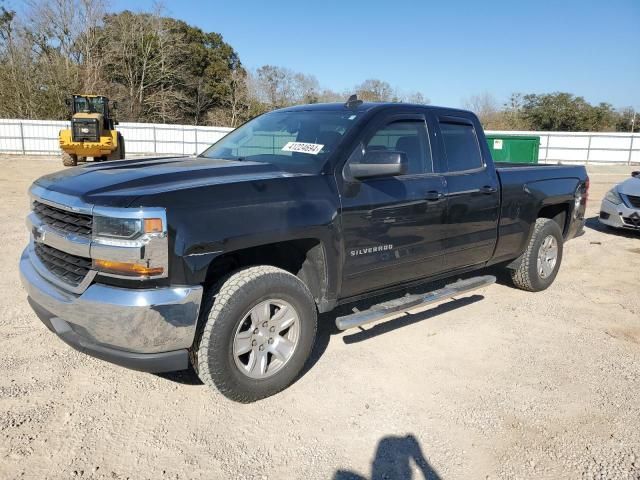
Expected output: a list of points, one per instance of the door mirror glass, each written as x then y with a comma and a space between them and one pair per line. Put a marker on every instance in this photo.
380, 163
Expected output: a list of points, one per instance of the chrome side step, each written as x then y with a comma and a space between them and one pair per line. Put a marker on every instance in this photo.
412, 302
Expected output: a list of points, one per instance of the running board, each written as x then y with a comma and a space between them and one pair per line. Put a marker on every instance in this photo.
412, 302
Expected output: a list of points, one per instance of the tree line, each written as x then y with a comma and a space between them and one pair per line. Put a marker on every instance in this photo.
558, 111
160, 69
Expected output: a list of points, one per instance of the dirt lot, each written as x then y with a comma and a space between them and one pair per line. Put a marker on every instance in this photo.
500, 384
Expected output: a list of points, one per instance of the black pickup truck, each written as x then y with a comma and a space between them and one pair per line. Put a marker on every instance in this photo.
224, 260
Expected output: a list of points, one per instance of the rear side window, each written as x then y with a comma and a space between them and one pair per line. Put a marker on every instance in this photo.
461, 146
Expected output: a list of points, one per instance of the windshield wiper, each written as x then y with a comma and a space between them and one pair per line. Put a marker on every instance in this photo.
231, 159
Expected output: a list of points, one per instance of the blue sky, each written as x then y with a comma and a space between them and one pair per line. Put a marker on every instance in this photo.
448, 50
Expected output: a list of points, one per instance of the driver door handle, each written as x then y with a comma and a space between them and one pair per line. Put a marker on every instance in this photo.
488, 189
433, 195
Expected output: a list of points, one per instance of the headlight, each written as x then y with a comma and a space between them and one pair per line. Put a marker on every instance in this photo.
613, 196
130, 243
124, 228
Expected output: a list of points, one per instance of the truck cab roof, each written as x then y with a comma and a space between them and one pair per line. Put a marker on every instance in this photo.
367, 107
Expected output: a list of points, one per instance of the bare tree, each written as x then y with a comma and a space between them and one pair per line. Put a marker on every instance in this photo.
237, 106
66, 36
411, 97
275, 85
143, 61
306, 88
484, 105
374, 90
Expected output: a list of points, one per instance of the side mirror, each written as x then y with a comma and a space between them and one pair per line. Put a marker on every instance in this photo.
380, 163
114, 105
636, 174
67, 102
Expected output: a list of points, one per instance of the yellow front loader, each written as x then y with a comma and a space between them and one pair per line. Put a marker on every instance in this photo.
92, 132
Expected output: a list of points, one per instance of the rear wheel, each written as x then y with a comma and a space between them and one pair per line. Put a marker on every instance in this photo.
259, 329
69, 160
541, 260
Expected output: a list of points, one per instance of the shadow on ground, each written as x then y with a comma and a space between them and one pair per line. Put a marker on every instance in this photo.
327, 326
394, 458
185, 377
594, 224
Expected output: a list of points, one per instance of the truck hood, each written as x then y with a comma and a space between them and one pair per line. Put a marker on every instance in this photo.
118, 183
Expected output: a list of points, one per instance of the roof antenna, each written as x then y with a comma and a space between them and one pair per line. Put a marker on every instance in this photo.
353, 102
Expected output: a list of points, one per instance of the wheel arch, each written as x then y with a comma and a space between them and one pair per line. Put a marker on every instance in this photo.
559, 213
305, 258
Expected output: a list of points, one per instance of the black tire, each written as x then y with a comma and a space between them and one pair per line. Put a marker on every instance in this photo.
69, 160
527, 275
118, 153
226, 305
122, 149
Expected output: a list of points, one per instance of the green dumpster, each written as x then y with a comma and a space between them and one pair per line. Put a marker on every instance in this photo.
514, 148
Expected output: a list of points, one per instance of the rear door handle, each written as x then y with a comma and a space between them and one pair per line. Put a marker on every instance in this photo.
433, 195
488, 189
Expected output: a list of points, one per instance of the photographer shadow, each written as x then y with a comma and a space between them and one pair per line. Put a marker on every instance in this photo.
394, 458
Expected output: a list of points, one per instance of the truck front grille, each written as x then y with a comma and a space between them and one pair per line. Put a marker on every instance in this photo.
64, 220
634, 201
68, 268
85, 129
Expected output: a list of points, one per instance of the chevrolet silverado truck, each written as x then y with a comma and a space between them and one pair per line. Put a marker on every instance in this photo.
223, 260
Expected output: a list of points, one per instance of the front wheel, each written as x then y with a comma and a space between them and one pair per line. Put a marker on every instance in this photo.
541, 260
69, 160
118, 153
258, 332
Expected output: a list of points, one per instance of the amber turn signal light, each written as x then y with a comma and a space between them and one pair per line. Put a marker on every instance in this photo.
130, 269
152, 225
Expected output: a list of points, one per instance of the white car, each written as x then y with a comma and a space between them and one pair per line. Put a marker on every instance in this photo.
621, 205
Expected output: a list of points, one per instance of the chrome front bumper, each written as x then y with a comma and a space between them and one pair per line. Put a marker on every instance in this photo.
126, 324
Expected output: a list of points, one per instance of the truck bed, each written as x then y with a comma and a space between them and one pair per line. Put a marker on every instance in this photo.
528, 189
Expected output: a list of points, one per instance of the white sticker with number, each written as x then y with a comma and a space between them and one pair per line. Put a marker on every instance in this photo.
497, 144
301, 147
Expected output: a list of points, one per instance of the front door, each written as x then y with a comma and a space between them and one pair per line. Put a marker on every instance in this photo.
393, 226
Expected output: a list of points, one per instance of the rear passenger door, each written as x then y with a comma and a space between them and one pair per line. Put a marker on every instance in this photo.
473, 194
392, 225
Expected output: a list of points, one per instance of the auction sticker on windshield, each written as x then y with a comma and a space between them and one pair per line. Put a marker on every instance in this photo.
301, 147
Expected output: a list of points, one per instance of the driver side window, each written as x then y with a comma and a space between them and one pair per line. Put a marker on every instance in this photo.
409, 137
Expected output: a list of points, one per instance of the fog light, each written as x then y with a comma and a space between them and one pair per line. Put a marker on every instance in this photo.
129, 269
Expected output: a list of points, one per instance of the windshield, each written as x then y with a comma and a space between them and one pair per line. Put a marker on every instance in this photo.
88, 104
297, 142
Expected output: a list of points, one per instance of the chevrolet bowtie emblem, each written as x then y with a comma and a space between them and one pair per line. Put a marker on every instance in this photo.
38, 234
635, 219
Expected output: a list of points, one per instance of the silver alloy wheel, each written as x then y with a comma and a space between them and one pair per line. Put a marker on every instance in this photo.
266, 338
547, 256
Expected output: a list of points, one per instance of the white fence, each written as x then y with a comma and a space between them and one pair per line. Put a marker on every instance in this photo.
40, 137
585, 147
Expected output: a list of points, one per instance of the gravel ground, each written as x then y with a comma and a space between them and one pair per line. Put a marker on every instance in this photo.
499, 384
